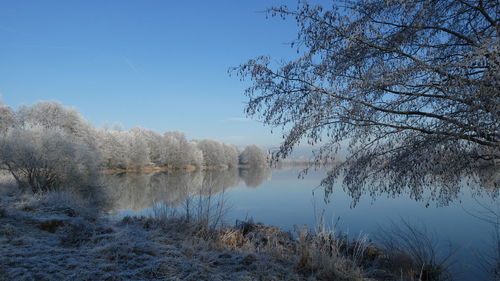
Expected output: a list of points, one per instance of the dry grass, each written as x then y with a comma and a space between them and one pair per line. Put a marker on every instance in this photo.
412, 252
329, 256
144, 248
320, 254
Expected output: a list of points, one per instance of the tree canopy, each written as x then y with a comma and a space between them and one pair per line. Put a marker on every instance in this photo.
411, 88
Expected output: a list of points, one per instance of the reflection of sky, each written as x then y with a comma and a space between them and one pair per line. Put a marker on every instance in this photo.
285, 201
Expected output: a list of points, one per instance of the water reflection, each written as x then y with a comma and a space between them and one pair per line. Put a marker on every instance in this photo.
285, 201
255, 176
139, 191
439, 184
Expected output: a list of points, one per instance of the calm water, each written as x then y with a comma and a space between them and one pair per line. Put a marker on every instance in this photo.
279, 198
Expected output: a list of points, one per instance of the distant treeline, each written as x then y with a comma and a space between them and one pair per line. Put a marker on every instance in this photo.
47, 145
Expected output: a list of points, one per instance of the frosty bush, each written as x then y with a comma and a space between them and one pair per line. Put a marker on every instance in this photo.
43, 159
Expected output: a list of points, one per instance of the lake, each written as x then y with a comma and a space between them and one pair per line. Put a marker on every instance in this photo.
278, 197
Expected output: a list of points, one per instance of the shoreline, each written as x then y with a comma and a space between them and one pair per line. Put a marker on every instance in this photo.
42, 229
188, 168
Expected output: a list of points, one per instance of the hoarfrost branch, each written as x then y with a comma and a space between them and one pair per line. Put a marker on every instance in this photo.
412, 88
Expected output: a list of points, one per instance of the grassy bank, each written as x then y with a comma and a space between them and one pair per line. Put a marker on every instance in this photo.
57, 237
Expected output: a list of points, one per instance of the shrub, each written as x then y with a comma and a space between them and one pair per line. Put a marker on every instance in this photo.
44, 159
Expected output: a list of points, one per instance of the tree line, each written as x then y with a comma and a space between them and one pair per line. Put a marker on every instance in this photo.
48, 145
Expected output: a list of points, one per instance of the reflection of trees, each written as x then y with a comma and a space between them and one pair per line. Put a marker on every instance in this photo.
138, 191
255, 175
127, 190
173, 188
207, 205
216, 181
437, 181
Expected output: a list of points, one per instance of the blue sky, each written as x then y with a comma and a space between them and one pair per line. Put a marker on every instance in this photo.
161, 65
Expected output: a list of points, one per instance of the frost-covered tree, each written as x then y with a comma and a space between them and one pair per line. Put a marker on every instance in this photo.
110, 149
411, 88
172, 154
180, 151
154, 143
43, 159
50, 114
213, 152
231, 155
47, 146
253, 156
113, 149
7, 118
195, 154
137, 150
124, 149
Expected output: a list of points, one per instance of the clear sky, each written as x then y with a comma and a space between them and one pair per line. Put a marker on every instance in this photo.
161, 65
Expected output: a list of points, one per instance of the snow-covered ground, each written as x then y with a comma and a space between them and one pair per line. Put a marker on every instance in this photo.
55, 237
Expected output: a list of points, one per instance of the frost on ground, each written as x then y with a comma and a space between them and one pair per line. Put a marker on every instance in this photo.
55, 238
58, 237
